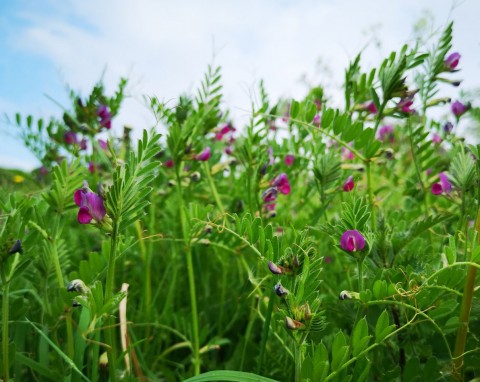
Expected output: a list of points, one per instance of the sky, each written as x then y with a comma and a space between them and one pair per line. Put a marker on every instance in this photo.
164, 48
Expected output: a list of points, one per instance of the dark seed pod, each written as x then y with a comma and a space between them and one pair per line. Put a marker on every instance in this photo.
16, 248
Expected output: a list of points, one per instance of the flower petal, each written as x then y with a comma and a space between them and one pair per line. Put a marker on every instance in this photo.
84, 216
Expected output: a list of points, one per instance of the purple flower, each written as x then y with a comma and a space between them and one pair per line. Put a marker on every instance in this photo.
169, 163
70, 138
458, 108
269, 195
274, 268
347, 154
317, 120
83, 144
444, 186
92, 167
289, 159
282, 184
452, 61
204, 155
228, 150
352, 241
385, 132
91, 205
102, 144
105, 117
349, 184
404, 105
448, 127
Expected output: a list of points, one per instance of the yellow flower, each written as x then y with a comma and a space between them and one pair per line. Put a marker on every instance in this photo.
18, 179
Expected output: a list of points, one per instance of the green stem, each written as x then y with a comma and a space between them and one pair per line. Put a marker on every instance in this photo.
191, 273
110, 286
465, 309
360, 275
6, 289
370, 194
298, 361
213, 188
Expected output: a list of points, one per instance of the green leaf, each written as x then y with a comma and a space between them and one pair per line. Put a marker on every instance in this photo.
360, 337
339, 351
380, 289
382, 328
230, 376
294, 109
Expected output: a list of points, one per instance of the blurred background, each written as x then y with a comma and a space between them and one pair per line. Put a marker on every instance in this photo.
164, 47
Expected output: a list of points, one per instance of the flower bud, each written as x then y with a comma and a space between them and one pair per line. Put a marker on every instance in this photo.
274, 268
292, 324
77, 285
280, 291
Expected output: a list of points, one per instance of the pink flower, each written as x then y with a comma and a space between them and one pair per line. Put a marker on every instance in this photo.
269, 195
404, 105
169, 163
229, 150
92, 167
289, 159
83, 144
204, 155
444, 186
91, 205
349, 184
352, 241
281, 183
347, 154
452, 61
102, 144
317, 120
436, 139
385, 132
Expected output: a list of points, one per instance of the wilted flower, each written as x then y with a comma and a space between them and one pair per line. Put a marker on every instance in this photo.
77, 285
444, 186
91, 205
352, 241
349, 184
292, 324
282, 184
105, 117
385, 132
204, 155
452, 61
458, 108
289, 159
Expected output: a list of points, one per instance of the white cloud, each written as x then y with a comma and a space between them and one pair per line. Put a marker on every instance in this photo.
165, 46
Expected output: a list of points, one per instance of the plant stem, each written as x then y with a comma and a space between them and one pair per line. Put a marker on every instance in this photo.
110, 286
370, 194
213, 188
360, 275
191, 273
266, 330
298, 361
6, 290
465, 309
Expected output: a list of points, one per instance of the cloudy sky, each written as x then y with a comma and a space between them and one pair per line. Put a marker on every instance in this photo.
164, 48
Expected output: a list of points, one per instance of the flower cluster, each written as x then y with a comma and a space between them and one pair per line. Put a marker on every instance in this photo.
269, 196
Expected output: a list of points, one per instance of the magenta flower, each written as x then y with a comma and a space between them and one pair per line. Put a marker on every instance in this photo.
289, 159
317, 120
436, 139
105, 117
269, 207
270, 195
370, 107
352, 241
91, 205
274, 268
70, 138
83, 144
444, 186
92, 167
169, 163
228, 150
204, 155
405, 105
385, 132
458, 108
448, 127
349, 184
452, 61
282, 184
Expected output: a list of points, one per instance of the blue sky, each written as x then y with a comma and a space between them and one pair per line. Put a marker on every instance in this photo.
165, 47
